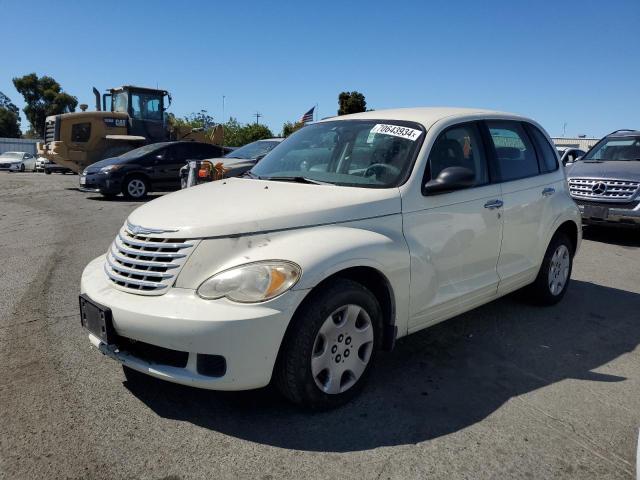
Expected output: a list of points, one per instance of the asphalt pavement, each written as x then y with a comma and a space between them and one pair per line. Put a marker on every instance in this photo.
505, 391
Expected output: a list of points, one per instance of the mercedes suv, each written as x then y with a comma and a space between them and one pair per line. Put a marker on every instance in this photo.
605, 183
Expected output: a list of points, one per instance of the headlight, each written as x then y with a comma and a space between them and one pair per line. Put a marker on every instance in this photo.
252, 282
110, 168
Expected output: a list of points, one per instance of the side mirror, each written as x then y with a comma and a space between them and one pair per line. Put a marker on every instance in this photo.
450, 179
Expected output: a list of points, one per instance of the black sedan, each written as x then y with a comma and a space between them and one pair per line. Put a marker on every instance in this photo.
149, 168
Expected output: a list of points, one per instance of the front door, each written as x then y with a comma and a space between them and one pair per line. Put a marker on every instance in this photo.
454, 238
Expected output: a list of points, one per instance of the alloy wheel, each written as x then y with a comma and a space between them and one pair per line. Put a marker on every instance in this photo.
136, 188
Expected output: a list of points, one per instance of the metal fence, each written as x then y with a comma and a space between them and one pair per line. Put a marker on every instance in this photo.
18, 145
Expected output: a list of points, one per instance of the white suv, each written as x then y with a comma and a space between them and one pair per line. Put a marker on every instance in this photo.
351, 233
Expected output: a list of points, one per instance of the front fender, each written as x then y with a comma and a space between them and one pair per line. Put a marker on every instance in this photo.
320, 251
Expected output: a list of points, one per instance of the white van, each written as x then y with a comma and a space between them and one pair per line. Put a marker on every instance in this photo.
353, 232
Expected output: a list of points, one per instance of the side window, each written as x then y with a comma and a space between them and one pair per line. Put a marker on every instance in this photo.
145, 107
514, 151
181, 152
549, 162
80, 132
459, 146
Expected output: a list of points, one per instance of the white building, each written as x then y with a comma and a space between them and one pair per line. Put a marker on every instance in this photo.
583, 143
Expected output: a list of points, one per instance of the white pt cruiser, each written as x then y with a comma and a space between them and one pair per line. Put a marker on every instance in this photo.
351, 233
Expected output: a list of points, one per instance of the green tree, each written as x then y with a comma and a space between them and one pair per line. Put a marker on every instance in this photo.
43, 97
289, 127
351, 102
237, 135
9, 118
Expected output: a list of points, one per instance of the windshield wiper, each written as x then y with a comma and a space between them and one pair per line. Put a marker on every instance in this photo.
250, 174
297, 179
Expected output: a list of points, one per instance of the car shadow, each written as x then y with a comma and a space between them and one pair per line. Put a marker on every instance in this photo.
435, 382
622, 236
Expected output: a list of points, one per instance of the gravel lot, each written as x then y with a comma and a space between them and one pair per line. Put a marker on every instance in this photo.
505, 391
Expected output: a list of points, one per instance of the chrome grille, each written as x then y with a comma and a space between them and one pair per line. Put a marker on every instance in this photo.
603, 189
146, 263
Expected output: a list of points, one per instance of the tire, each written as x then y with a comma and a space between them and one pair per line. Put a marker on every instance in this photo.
47, 172
22, 169
340, 320
554, 275
135, 188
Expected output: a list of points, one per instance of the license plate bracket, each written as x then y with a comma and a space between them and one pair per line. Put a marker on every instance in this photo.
596, 211
97, 319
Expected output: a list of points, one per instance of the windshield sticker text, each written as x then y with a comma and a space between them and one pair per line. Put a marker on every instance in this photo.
397, 131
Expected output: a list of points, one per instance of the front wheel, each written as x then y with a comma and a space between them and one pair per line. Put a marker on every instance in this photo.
135, 188
329, 349
555, 272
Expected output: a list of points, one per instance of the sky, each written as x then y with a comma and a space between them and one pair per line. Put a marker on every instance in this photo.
571, 65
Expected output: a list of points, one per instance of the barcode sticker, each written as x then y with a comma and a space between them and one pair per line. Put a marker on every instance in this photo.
397, 131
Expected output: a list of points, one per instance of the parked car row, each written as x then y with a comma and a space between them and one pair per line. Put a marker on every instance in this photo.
353, 232
23, 161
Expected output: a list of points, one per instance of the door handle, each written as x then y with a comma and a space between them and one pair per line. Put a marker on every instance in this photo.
547, 192
493, 204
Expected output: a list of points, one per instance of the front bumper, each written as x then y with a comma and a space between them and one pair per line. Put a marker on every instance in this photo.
597, 213
12, 167
99, 182
247, 336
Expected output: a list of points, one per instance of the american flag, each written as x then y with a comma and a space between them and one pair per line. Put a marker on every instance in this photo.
307, 117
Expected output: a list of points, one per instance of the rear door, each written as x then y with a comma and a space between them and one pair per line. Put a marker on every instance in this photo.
525, 190
175, 159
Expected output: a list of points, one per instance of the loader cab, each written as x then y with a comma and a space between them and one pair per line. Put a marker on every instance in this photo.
145, 107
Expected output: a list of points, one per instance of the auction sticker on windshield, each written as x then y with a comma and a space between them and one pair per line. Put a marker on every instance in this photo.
397, 131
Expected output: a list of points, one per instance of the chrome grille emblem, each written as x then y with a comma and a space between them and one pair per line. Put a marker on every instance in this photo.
599, 188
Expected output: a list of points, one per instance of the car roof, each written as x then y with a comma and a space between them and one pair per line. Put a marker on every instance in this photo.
427, 116
624, 133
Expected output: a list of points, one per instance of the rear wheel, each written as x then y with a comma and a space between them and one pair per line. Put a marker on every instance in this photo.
22, 167
330, 346
555, 272
135, 188
47, 172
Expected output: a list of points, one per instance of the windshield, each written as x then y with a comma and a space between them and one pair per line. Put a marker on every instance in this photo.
11, 156
615, 149
137, 152
253, 150
363, 153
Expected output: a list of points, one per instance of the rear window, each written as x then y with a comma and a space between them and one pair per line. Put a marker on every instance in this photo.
547, 154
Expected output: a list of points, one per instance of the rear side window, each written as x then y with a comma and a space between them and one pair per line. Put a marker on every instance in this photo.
80, 132
459, 146
514, 152
547, 154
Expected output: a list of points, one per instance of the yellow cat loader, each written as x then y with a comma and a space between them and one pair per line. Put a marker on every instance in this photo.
136, 117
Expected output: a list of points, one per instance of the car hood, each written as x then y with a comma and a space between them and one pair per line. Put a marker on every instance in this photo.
627, 170
10, 160
237, 206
